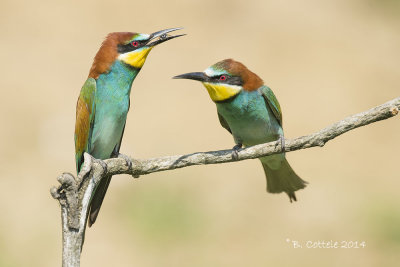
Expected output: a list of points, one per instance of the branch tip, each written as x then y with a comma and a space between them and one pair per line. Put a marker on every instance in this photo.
394, 111
54, 192
66, 179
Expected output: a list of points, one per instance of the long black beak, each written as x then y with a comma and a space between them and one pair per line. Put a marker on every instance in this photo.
162, 36
198, 76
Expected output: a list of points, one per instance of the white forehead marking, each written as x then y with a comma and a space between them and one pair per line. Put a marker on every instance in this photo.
210, 72
142, 36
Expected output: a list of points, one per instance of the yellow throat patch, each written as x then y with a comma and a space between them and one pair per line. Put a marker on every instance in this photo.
136, 58
221, 92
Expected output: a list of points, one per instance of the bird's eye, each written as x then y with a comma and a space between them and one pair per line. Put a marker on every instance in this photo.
222, 77
135, 43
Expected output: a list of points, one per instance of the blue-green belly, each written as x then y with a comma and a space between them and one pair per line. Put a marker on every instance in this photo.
252, 122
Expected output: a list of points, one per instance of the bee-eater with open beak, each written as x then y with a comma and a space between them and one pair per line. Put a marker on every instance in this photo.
250, 111
104, 101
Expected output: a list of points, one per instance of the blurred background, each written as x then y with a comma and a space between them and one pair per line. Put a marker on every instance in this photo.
324, 60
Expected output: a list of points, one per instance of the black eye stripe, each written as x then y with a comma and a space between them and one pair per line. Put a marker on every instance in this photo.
124, 48
141, 42
233, 80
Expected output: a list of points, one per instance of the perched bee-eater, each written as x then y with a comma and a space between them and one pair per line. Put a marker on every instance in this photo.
250, 111
104, 102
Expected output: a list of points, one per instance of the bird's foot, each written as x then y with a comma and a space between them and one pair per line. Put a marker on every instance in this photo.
281, 141
235, 154
102, 164
128, 163
127, 159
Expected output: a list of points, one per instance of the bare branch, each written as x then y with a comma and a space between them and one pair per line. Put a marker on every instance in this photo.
74, 193
320, 138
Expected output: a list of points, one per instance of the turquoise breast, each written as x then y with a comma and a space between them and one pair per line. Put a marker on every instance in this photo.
112, 105
250, 119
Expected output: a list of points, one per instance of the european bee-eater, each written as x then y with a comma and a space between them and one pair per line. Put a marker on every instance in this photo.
104, 100
250, 111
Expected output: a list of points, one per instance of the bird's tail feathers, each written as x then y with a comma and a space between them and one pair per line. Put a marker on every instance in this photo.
97, 200
282, 179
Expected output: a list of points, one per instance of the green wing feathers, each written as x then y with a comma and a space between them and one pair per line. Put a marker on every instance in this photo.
224, 123
272, 102
85, 110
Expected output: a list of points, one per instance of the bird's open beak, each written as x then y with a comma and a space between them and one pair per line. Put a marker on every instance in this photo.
198, 76
162, 36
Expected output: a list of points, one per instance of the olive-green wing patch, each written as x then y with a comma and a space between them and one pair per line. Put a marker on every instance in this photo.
224, 123
272, 102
